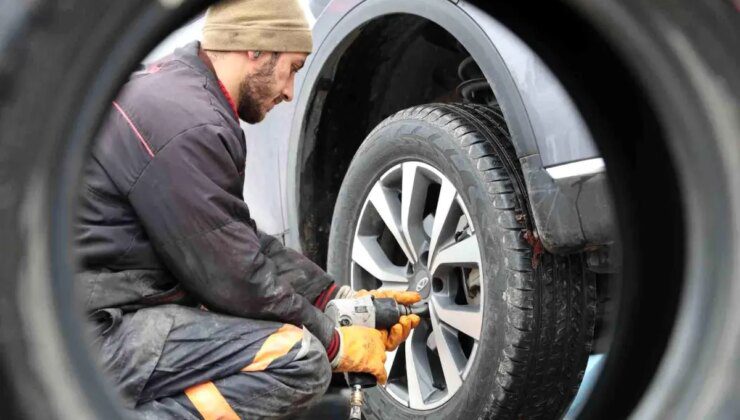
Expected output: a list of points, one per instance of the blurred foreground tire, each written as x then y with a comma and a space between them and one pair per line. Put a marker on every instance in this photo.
658, 83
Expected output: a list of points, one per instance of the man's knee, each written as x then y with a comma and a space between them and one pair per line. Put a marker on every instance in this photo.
310, 367
296, 359
289, 372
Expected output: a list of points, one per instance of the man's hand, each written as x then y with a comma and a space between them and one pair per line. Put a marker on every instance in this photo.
399, 332
362, 349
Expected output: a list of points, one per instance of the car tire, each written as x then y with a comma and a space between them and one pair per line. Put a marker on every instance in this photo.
538, 309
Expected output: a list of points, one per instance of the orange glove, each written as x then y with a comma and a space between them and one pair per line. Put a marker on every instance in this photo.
404, 298
400, 332
362, 349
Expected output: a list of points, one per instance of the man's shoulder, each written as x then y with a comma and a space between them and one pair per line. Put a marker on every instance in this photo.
169, 98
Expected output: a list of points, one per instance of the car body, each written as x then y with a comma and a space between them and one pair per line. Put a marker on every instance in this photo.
564, 173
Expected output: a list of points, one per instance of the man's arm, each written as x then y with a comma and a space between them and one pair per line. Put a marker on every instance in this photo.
306, 278
189, 201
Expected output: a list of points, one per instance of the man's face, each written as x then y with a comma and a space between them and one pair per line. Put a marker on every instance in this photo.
269, 84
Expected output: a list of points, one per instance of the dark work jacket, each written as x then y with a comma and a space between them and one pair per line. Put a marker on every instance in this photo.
162, 218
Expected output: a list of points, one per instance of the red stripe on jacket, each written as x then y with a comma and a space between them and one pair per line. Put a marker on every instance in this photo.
133, 127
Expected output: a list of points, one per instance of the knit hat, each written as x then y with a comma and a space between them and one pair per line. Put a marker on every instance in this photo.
257, 25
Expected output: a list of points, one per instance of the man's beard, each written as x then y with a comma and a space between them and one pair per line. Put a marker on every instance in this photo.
255, 90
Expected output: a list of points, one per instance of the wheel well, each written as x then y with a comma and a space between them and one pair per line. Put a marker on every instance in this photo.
394, 62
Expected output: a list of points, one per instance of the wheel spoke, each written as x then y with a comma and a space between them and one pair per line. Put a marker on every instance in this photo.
388, 206
467, 319
451, 356
390, 358
464, 253
445, 217
413, 195
366, 252
412, 375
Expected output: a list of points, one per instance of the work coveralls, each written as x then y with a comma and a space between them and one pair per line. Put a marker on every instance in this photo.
196, 313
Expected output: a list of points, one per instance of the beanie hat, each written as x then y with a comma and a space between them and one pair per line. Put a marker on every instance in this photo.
257, 25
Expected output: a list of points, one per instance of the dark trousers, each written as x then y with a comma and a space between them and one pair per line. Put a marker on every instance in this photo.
174, 361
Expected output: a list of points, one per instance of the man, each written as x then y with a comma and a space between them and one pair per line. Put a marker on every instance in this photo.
197, 312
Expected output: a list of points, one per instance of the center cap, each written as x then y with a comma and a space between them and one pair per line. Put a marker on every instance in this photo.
422, 283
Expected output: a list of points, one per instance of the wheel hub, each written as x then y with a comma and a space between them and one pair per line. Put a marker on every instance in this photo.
422, 283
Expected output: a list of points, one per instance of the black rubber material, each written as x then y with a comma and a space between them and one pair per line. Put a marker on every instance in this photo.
60, 66
539, 309
62, 62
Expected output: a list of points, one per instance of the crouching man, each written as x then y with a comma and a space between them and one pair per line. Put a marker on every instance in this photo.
197, 313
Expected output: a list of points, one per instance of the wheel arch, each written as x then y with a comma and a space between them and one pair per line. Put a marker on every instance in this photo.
342, 97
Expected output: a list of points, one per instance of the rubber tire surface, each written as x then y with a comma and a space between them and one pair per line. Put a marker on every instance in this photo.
61, 63
539, 309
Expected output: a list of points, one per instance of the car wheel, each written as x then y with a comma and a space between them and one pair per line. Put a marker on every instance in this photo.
434, 201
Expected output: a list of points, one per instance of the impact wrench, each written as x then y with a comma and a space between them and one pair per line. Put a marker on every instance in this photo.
367, 311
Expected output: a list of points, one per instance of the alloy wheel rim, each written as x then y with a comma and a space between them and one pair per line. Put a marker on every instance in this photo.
415, 233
